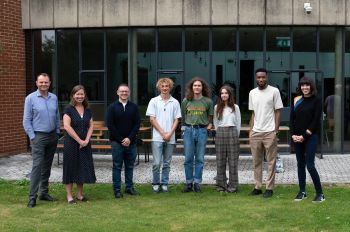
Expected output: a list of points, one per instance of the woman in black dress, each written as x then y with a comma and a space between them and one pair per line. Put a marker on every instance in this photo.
78, 166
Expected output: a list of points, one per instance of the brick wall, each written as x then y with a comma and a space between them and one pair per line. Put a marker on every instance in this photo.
12, 78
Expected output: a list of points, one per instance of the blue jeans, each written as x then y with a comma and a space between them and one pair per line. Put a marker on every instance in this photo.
195, 140
127, 155
305, 153
161, 151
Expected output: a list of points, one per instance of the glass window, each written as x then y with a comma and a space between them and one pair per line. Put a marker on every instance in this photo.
331, 97
197, 53
146, 68
68, 64
44, 55
170, 57
92, 43
277, 58
117, 61
170, 49
304, 48
224, 59
277, 48
94, 85
251, 57
346, 92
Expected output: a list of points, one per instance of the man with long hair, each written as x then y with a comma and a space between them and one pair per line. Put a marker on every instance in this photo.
197, 112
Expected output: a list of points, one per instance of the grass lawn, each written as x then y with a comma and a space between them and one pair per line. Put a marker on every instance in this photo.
174, 211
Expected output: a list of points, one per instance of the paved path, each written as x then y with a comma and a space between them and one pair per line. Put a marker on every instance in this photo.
332, 169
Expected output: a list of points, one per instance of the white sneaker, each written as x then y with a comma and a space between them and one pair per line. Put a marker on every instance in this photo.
165, 188
156, 188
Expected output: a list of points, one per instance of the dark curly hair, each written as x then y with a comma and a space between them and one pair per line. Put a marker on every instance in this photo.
189, 88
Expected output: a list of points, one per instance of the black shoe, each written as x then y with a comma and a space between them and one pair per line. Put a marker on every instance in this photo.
188, 188
118, 194
255, 192
46, 197
132, 192
319, 198
268, 193
31, 203
301, 196
197, 188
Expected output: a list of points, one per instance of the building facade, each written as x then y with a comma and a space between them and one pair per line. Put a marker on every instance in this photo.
102, 43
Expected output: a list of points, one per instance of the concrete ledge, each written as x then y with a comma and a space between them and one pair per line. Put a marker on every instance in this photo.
90, 13
41, 14
197, 12
142, 12
169, 12
116, 13
66, 13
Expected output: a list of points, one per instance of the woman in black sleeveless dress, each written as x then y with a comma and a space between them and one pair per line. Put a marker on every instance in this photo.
78, 166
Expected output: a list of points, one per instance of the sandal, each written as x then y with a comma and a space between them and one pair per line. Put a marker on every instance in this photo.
72, 202
83, 199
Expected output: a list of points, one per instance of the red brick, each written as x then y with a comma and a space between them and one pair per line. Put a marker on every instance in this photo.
13, 82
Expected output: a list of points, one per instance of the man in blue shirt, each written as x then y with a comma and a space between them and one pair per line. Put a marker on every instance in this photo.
41, 122
123, 122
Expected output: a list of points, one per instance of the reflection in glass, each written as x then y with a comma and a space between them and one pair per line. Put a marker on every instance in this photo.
170, 49
330, 98
44, 54
251, 57
196, 53
68, 64
146, 68
224, 59
277, 58
277, 48
117, 61
92, 43
346, 92
304, 48
170, 58
93, 83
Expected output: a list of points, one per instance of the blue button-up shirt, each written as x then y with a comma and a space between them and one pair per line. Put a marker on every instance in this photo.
41, 114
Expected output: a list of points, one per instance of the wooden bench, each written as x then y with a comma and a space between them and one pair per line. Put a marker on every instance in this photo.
99, 128
98, 145
244, 141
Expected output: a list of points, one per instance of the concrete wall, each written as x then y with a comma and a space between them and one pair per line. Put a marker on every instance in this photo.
38, 14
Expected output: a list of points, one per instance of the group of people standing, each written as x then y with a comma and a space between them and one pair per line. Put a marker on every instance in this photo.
197, 112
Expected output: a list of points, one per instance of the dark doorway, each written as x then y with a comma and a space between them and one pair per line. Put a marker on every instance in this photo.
246, 83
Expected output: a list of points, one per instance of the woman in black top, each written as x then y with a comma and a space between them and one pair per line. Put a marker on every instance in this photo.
305, 124
78, 166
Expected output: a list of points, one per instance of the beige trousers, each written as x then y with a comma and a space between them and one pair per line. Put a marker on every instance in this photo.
264, 143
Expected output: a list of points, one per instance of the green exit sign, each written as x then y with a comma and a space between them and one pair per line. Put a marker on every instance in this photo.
283, 42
